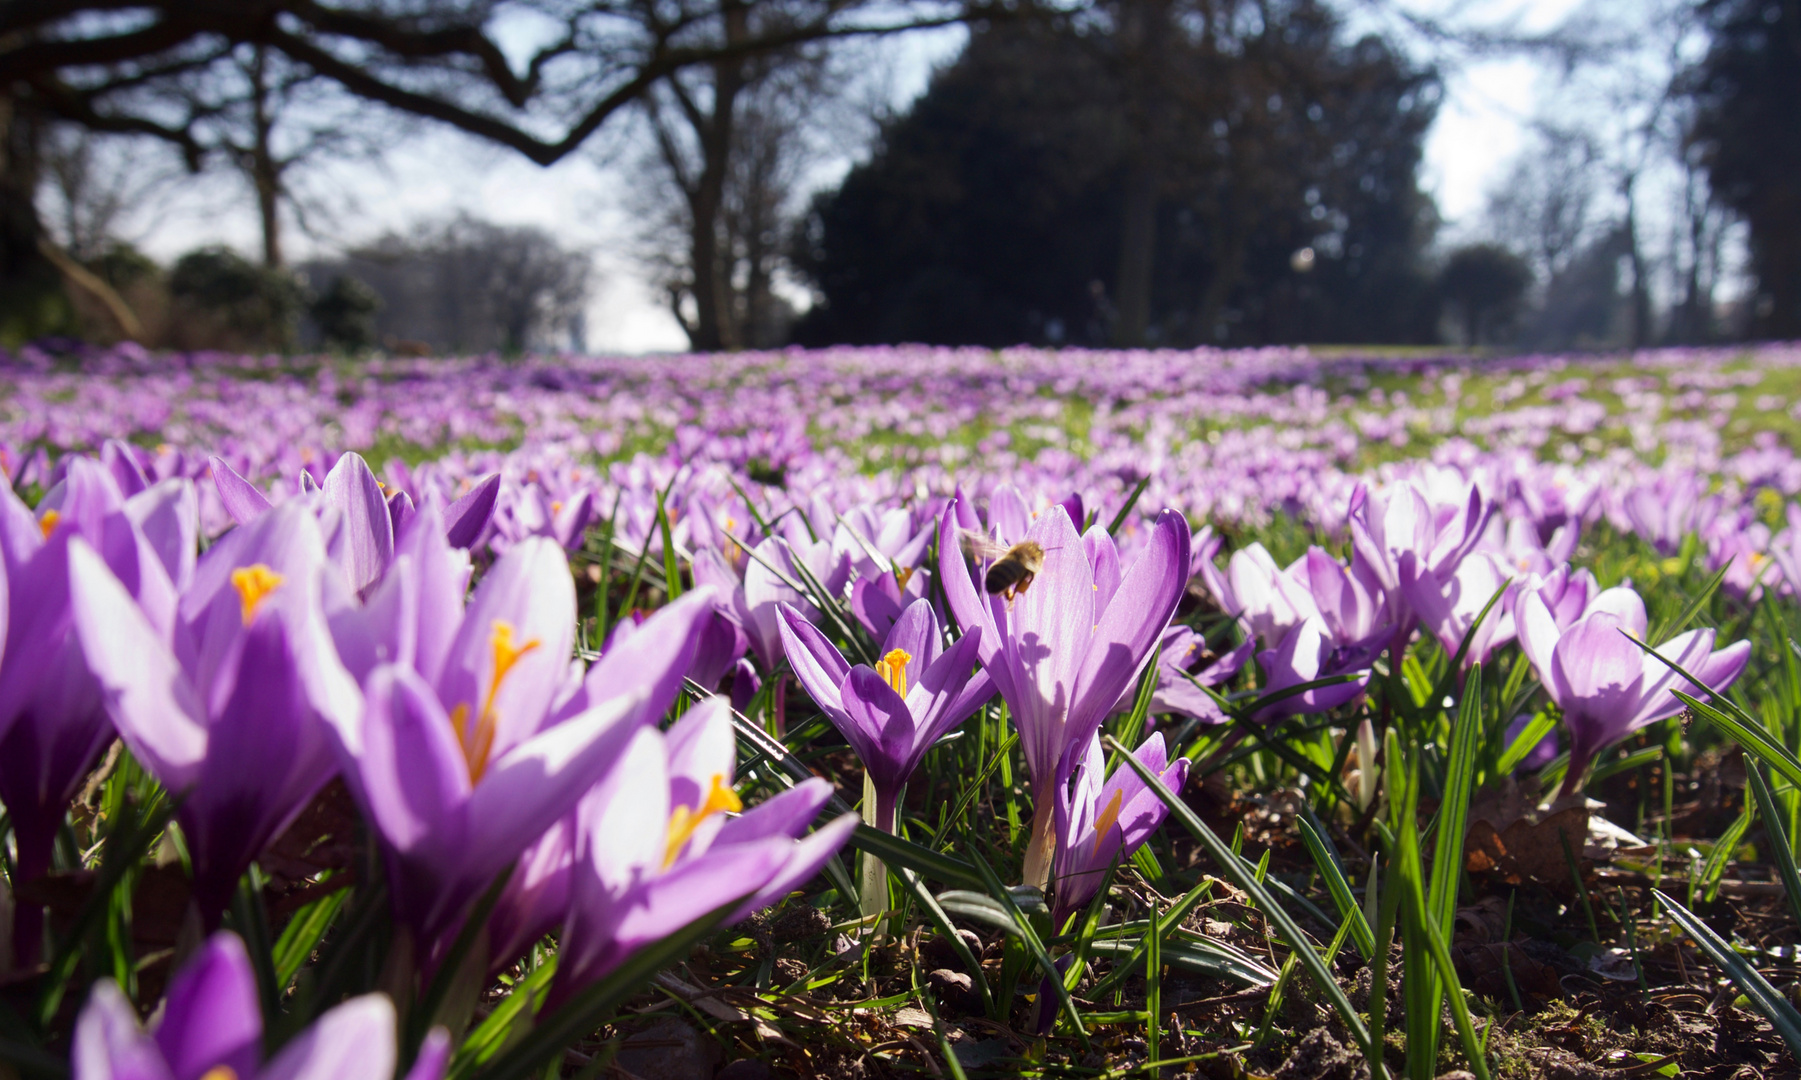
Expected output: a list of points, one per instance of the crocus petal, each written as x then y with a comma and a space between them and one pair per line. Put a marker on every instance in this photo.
242, 501
156, 708
967, 605
351, 486
411, 767
167, 514
1048, 636
540, 780
1131, 624
701, 747
354, 1041
881, 726
1103, 556
787, 814
211, 1014
805, 857
817, 663
528, 591
466, 518
655, 658
1008, 515
916, 634
108, 1043
434, 1055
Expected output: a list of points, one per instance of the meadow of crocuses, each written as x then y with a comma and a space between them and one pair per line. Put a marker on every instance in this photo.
483, 715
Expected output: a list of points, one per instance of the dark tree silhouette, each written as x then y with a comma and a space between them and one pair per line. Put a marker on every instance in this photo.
1485, 283
1748, 129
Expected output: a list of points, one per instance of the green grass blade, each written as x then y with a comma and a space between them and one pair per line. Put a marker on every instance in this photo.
1034, 944
948, 930
1665, 631
1327, 861
1454, 808
1780, 851
1131, 501
1764, 997
1524, 743
1286, 928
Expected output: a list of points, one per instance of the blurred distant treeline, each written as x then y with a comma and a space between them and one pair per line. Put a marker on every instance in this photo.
1092, 172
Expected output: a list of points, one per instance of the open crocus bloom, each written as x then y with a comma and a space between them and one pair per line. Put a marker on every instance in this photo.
225, 707
893, 713
463, 755
1063, 652
211, 1028
1607, 686
1098, 822
661, 843
1183, 662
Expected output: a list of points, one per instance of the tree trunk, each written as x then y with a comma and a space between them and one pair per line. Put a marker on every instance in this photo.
714, 324
32, 301
265, 169
1641, 293
1137, 257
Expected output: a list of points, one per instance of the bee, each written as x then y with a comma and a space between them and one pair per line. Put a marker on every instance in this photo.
1013, 568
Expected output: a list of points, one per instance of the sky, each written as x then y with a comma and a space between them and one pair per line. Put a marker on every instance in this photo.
1481, 127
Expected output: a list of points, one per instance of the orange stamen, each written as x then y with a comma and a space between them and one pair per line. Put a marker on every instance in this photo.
1104, 824
254, 584
478, 744
902, 575
893, 670
47, 523
683, 821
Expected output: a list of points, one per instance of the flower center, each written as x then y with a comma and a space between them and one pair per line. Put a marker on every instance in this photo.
893, 669
902, 575
684, 820
478, 744
254, 584
220, 1072
48, 522
1104, 824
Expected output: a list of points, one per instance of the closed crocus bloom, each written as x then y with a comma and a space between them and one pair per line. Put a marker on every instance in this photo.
225, 710
1606, 685
462, 762
664, 841
1062, 652
1099, 821
210, 1027
892, 713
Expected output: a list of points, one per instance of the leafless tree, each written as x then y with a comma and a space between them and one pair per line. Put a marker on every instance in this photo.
108, 66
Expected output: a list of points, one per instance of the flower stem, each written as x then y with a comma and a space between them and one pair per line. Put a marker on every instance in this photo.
878, 813
1043, 843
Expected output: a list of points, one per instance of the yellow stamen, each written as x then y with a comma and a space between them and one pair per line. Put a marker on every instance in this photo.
220, 1072
556, 507
1104, 824
683, 820
254, 584
478, 744
893, 670
48, 522
902, 575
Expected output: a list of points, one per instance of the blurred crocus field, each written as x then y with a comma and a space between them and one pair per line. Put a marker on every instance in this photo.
895, 710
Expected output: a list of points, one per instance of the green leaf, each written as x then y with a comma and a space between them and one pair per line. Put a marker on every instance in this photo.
1131, 501
1326, 859
1764, 997
1781, 851
1524, 743
304, 932
1286, 928
1665, 631
590, 1006
894, 851
1032, 942
1454, 808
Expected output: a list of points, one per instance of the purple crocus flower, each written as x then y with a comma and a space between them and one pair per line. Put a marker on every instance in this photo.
1063, 652
53, 719
1607, 686
1267, 599
661, 843
893, 713
468, 749
1183, 661
1400, 525
210, 1027
1100, 821
225, 708
1448, 602
1304, 655
363, 540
